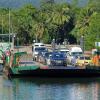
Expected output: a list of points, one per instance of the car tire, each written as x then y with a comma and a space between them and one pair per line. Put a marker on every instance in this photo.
65, 65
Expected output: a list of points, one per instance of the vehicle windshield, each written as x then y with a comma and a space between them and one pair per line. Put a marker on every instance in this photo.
87, 58
84, 58
40, 49
58, 56
76, 53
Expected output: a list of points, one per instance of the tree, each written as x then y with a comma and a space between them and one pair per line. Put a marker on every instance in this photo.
4, 19
22, 20
38, 29
94, 31
87, 24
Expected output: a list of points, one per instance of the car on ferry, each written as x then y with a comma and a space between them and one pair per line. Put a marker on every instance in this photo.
47, 57
73, 54
57, 59
36, 48
84, 61
41, 56
44, 57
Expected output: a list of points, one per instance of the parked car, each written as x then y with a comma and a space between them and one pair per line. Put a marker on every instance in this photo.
47, 58
39, 50
58, 58
36, 48
83, 61
74, 53
40, 56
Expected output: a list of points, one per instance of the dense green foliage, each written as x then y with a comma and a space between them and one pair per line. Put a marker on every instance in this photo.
51, 20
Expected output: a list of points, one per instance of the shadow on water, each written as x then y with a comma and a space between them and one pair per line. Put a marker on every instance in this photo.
57, 80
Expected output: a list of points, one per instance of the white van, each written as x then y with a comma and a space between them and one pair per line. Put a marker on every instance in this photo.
36, 48
74, 52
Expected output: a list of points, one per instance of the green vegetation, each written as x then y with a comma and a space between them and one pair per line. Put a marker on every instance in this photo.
52, 20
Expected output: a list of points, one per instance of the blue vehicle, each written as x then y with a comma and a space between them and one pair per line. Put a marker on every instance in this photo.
58, 58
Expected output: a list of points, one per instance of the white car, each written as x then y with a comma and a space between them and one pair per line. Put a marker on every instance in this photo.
36, 48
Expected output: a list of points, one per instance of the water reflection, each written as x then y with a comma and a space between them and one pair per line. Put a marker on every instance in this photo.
50, 89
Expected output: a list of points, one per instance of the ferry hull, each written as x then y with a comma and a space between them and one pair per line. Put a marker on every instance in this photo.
57, 73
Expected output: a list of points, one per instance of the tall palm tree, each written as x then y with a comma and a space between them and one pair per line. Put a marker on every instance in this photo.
83, 20
38, 30
60, 16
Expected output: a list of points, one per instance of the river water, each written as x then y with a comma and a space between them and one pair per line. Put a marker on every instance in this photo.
49, 88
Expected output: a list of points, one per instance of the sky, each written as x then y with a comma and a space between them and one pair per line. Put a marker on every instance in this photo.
19, 3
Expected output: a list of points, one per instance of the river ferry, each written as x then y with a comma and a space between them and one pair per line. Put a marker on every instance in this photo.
19, 66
